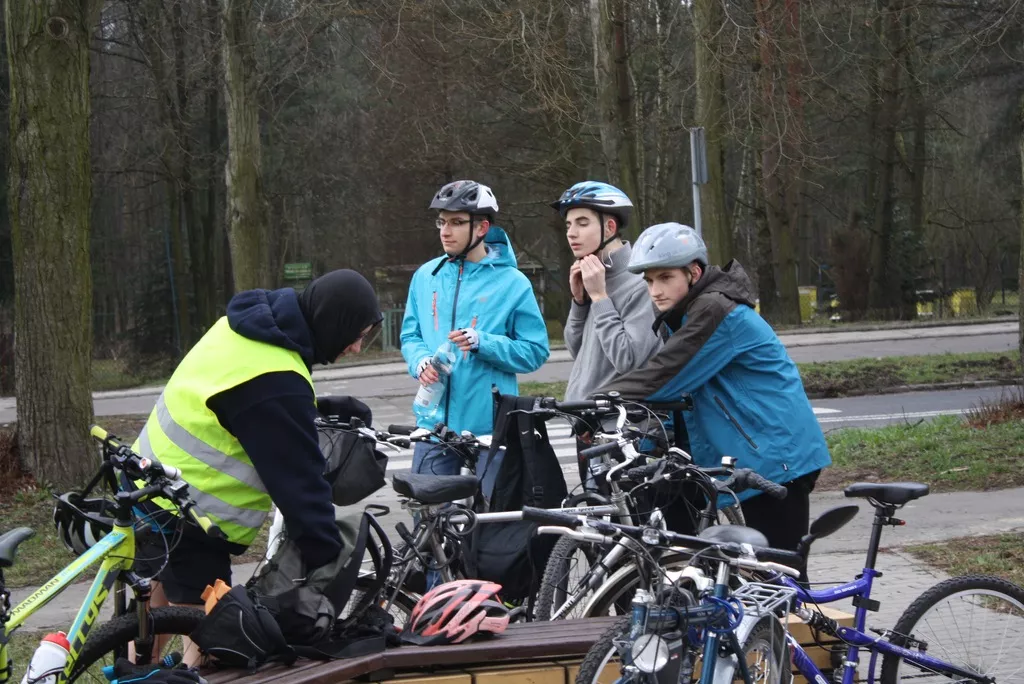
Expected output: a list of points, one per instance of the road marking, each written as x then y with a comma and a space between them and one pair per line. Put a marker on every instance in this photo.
820, 411
891, 416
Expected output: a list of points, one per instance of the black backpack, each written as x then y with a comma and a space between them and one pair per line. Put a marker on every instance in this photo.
309, 606
530, 475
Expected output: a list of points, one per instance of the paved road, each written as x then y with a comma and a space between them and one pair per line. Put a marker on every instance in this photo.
390, 383
833, 414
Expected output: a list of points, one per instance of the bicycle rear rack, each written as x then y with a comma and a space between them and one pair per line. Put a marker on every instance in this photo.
761, 599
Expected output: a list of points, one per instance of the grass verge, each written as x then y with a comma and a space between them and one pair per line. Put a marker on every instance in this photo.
947, 453
1000, 554
42, 556
840, 378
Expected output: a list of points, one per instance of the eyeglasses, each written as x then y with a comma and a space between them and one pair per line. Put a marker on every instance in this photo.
370, 336
454, 223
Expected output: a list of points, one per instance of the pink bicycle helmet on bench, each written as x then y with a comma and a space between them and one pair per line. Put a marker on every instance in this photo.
452, 612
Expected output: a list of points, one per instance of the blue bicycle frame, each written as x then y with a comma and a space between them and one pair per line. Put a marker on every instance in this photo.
856, 637
709, 615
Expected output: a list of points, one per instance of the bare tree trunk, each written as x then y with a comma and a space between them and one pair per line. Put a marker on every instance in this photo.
707, 21
1020, 265
213, 228
247, 210
50, 196
919, 168
794, 142
882, 291
775, 175
194, 228
614, 98
766, 286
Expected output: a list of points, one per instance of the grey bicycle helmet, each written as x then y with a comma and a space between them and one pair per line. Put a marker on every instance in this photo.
82, 522
667, 245
466, 195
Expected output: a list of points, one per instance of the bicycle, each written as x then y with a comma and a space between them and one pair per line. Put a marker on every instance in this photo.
115, 552
905, 648
688, 617
560, 592
443, 522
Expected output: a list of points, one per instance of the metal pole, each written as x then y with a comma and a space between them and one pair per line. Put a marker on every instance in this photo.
699, 168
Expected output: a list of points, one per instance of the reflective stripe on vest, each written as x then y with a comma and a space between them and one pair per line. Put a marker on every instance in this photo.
183, 432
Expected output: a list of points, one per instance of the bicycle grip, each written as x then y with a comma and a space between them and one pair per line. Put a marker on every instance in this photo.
208, 526
772, 489
599, 450
543, 516
401, 429
643, 472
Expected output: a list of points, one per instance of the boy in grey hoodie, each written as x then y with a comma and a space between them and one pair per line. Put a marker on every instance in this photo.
609, 329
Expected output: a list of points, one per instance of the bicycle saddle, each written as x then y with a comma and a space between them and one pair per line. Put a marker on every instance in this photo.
435, 489
9, 544
892, 493
734, 534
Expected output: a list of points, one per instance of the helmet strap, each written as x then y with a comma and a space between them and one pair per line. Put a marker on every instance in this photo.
473, 243
601, 218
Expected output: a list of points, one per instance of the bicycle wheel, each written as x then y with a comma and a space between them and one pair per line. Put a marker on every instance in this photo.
568, 565
601, 655
614, 596
974, 622
766, 655
111, 639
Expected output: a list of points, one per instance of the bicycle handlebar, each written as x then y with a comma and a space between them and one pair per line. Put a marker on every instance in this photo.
163, 480
769, 559
599, 450
610, 401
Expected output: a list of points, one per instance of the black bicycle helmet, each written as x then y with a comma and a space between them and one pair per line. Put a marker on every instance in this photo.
82, 522
466, 195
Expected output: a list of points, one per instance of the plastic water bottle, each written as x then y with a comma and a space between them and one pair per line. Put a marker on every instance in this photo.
429, 397
49, 660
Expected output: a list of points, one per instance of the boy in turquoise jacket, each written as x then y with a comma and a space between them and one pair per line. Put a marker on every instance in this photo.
476, 297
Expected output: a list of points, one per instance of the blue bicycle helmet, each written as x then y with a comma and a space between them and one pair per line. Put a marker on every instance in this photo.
601, 197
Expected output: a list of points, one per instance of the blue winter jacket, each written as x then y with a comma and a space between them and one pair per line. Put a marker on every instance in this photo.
496, 299
749, 401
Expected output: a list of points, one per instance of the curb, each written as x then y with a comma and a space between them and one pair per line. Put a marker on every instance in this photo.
902, 389
897, 325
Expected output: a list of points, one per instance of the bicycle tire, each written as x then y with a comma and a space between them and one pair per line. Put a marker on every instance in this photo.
551, 594
553, 582
768, 632
118, 633
911, 622
601, 653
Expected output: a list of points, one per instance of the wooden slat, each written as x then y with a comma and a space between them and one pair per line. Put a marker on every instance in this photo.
560, 639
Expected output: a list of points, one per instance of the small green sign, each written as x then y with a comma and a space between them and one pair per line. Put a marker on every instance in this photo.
298, 271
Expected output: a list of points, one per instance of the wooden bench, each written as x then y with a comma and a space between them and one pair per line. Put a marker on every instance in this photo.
531, 653
535, 641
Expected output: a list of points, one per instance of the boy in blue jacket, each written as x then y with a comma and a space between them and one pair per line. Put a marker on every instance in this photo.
476, 297
749, 401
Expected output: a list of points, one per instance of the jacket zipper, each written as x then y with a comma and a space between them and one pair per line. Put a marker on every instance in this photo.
732, 420
455, 304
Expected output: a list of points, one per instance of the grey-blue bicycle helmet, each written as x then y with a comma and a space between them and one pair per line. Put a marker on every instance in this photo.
667, 245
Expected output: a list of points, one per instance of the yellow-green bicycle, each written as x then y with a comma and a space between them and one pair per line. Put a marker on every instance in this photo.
134, 624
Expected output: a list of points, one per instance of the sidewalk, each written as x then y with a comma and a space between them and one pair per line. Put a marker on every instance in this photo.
791, 340
839, 557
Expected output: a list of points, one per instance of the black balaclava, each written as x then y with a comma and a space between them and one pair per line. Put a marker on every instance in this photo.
338, 306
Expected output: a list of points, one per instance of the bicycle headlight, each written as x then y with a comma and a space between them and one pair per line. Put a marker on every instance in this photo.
649, 653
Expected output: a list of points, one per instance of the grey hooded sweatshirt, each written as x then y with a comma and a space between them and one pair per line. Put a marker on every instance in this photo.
613, 336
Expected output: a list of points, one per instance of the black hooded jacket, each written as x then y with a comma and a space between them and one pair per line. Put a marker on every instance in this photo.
273, 415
